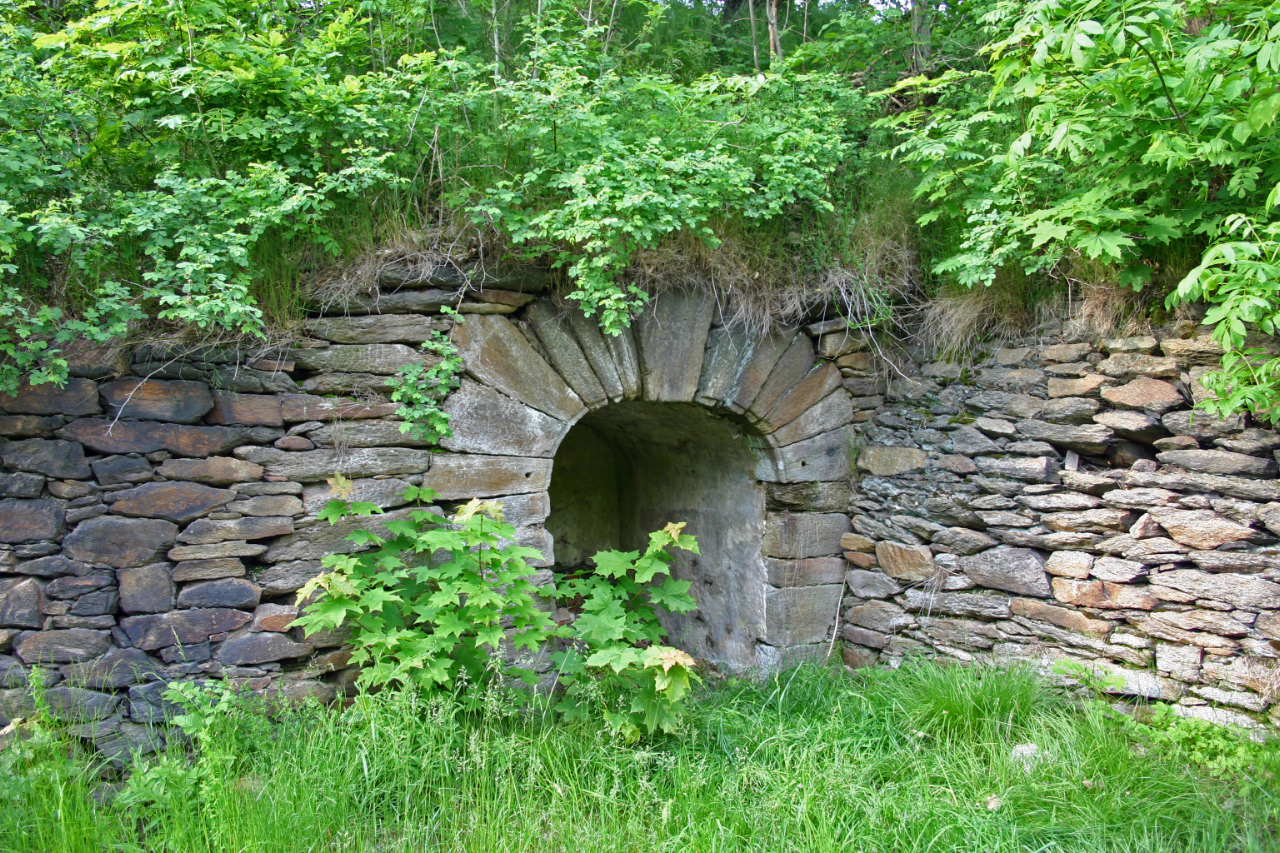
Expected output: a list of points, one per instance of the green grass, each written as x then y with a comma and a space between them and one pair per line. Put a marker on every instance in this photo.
813, 760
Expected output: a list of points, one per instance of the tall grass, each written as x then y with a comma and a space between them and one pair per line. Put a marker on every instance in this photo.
813, 760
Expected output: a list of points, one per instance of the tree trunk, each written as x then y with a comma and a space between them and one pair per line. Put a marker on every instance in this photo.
921, 36
775, 38
755, 49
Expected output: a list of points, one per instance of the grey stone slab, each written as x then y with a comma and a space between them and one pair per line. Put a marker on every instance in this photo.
30, 521
1017, 570
455, 476
804, 614
316, 465
367, 433
558, 341
792, 366
383, 359
498, 355
484, 421
375, 329
821, 458
598, 354
671, 334
727, 346
383, 493
120, 542
801, 535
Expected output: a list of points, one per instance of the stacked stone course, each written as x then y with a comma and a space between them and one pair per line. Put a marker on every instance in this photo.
1061, 500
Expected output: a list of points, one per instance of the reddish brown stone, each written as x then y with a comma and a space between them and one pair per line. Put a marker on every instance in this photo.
275, 618
859, 559
1145, 394
214, 471
251, 409
76, 398
1102, 594
176, 501
306, 407
1070, 619
293, 442
141, 437
807, 393
177, 401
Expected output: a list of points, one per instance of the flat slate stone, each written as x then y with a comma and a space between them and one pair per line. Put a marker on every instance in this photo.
146, 437
383, 493
368, 433
120, 542
146, 589
1138, 426
118, 470
798, 536
295, 408
498, 355
1014, 405
1236, 590
52, 567
484, 421
316, 465
249, 409
1016, 570
375, 329
202, 570
266, 506
287, 577
1221, 462
175, 501
226, 592
252, 649
1146, 395
72, 645
30, 521
222, 550
1202, 425
671, 334
1070, 410
1040, 469
214, 471
210, 532
116, 669
1199, 528
21, 485
26, 426
181, 627
911, 563
822, 458
881, 461
76, 398
382, 359
1089, 439
561, 346
465, 476
175, 401
1085, 386
972, 604
61, 459
76, 705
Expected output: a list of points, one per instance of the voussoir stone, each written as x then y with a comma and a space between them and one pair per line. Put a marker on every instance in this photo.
146, 589
499, 356
120, 542
909, 563
226, 592
1090, 439
381, 359
1200, 528
176, 401
210, 532
214, 471
54, 458
833, 411
251, 649
72, 645
484, 421
561, 346
30, 520
175, 501
1222, 462
1017, 570
881, 461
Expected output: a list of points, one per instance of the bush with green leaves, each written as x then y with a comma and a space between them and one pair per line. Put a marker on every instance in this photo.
421, 388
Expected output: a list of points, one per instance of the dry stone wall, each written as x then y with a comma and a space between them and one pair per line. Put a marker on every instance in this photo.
1061, 500
158, 513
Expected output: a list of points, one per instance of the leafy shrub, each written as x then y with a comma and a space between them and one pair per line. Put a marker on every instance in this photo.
423, 387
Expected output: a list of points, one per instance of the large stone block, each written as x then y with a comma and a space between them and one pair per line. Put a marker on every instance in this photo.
1200, 528
319, 540
1072, 620
380, 359
116, 669
911, 563
21, 603
76, 398
175, 501
62, 459
307, 407
484, 421
1236, 590
176, 401
792, 367
226, 592
463, 476
830, 413
1145, 395
181, 627
810, 572
822, 458
1089, 439
1037, 469
315, 465
798, 615
1220, 462
498, 355
250, 409
561, 346
671, 335
368, 433
21, 485
210, 532
880, 461
30, 521
214, 471
252, 649
879, 616
803, 535
107, 436
120, 542
375, 329
1103, 595
727, 347
57, 647
1017, 570
974, 604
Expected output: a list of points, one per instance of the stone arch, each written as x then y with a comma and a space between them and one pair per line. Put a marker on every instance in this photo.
763, 414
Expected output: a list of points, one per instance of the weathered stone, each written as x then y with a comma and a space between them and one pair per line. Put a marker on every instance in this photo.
383, 493
1176, 442
319, 540
215, 552
75, 398
1062, 353
1069, 564
484, 421
971, 442
268, 505
210, 532
107, 436
881, 461
119, 542
498, 355
201, 570
215, 471
959, 540
800, 614
63, 459
227, 592
21, 485
865, 584
1070, 410
1083, 438
1143, 344
1201, 620
251, 649
802, 535
1187, 352
252, 490
795, 363
1220, 462
286, 577
958, 604
753, 369
176, 401
910, 390
359, 384
275, 618
863, 637
1102, 595
374, 329
561, 346
180, 501
1253, 441
1126, 366
380, 359
51, 567
1085, 386
146, 589
26, 426
73, 704
1147, 395
1202, 425
1001, 402
1041, 469
294, 442
815, 401
1018, 570
30, 521
1070, 619
1102, 520
910, 563
1058, 501
251, 409
1236, 487
856, 542
116, 669
1138, 426
469, 476
1179, 661
1236, 590
316, 465
996, 427
1116, 570
824, 457
74, 587
1200, 528
307, 407
879, 616
21, 603
369, 433
56, 647
1235, 561
180, 627
117, 470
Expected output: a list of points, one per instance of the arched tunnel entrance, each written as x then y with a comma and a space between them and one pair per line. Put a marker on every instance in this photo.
630, 468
